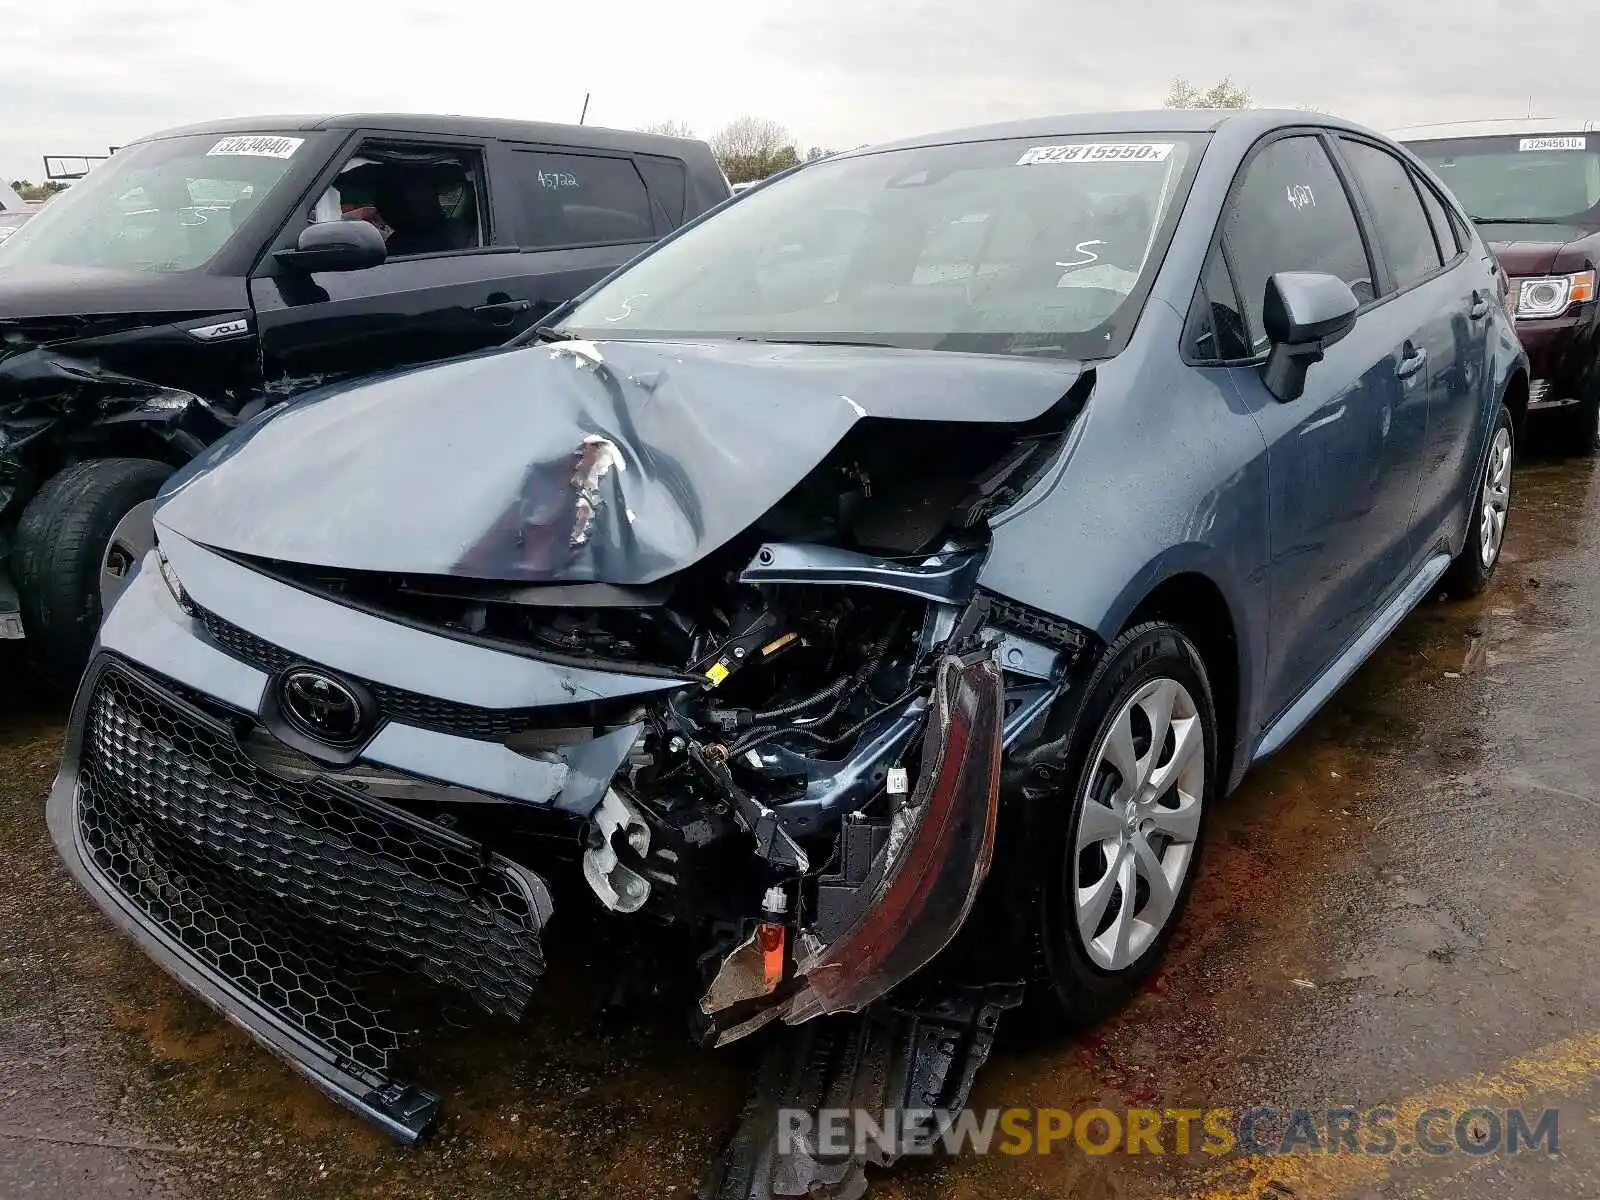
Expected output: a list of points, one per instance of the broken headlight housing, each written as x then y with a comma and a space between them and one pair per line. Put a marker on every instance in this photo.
1552, 295
169, 576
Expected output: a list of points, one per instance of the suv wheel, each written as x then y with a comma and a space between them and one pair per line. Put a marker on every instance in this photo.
1489, 510
60, 551
1123, 843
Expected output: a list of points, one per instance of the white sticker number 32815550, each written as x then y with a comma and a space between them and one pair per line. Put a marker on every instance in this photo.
1091, 152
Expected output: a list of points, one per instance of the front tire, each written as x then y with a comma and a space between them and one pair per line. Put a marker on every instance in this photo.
59, 552
1122, 843
1487, 516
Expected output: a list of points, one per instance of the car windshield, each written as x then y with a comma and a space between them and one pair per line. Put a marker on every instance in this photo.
161, 206
1546, 178
1041, 246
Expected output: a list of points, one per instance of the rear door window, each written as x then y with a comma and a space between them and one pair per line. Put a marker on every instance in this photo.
1400, 223
568, 199
1289, 212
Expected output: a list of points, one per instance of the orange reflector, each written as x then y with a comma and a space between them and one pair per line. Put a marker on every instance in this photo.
1582, 287
771, 938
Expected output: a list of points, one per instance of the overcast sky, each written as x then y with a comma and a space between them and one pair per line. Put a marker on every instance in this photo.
79, 75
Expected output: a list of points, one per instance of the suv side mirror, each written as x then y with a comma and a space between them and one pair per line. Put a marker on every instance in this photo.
1304, 312
335, 246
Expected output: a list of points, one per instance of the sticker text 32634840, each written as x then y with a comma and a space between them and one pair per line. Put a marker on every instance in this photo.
1097, 152
258, 146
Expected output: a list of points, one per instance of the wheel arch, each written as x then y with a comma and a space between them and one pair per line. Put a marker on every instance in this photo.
1515, 397
1194, 602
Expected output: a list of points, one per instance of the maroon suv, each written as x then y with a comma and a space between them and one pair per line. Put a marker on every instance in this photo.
1533, 187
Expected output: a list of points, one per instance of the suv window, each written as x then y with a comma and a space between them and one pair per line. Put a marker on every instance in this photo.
580, 199
424, 199
1443, 227
166, 205
1400, 224
1511, 178
667, 181
1289, 212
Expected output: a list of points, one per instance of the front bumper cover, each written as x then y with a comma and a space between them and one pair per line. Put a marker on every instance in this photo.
274, 902
1561, 358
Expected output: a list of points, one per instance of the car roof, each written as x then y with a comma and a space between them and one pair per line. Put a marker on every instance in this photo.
1160, 120
594, 136
1493, 127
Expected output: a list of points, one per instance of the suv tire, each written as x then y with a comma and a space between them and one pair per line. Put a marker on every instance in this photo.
61, 541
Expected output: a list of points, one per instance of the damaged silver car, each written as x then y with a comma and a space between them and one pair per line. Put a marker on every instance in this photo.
877, 582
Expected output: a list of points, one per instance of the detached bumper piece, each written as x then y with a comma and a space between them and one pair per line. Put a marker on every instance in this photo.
905, 1067
286, 904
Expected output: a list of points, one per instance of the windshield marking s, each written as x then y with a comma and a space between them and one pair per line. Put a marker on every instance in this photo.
626, 310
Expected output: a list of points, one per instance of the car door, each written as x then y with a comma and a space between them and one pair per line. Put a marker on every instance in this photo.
452, 282
1462, 293
579, 213
1343, 458
1434, 301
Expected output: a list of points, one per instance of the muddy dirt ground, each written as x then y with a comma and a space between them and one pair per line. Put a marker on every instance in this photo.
1399, 910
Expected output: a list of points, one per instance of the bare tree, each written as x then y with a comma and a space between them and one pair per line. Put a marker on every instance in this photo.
752, 148
1222, 94
668, 128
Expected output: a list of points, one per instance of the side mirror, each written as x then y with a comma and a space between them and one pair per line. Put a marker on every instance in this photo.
1304, 312
335, 246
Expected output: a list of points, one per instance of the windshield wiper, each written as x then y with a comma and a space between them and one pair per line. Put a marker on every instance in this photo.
547, 333
1516, 221
806, 341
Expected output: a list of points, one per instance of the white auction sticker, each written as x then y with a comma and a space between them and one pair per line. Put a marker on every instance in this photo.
1554, 143
1090, 152
258, 146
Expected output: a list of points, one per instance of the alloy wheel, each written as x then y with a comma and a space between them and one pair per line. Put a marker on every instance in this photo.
1495, 500
1139, 823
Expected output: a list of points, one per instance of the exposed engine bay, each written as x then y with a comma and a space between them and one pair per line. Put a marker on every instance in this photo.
817, 802
646, 634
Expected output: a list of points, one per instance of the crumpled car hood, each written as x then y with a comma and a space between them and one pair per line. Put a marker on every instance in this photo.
619, 462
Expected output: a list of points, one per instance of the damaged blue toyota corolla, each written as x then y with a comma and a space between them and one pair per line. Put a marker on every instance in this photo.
919, 546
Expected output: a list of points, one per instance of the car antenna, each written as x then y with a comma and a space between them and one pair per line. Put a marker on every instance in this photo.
585, 111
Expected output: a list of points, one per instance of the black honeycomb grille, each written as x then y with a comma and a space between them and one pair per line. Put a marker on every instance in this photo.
412, 708
295, 894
